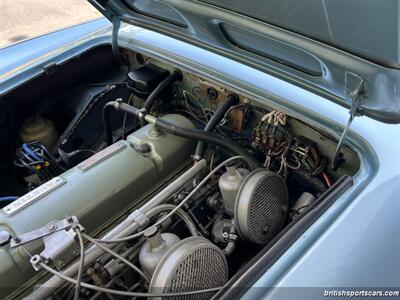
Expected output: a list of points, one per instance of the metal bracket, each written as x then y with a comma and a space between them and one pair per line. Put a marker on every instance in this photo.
59, 242
44, 231
59, 248
354, 93
114, 41
140, 218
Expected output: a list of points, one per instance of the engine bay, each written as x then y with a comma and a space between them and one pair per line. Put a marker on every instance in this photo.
149, 181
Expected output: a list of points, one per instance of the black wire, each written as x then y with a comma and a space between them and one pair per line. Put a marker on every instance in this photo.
137, 92
198, 120
45, 173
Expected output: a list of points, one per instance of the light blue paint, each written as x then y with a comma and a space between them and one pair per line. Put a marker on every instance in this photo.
356, 242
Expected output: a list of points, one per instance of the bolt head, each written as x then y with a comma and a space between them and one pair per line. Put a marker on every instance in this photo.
52, 227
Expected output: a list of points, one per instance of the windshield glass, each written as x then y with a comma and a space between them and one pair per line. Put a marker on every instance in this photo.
367, 28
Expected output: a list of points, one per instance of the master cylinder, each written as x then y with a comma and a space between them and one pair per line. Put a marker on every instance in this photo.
95, 191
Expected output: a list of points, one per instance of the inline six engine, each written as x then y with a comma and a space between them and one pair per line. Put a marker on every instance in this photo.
160, 185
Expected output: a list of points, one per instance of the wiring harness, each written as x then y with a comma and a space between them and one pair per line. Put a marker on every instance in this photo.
37, 160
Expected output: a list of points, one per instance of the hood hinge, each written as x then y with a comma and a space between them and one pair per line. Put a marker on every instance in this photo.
114, 41
354, 93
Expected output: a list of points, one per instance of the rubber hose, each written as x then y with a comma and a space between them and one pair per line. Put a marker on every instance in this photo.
230, 247
207, 137
119, 106
161, 87
106, 121
171, 128
214, 121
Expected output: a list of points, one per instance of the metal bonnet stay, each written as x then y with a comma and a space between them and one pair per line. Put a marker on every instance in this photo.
355, 93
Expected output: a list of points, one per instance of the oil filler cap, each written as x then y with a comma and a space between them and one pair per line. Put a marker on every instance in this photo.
142, 148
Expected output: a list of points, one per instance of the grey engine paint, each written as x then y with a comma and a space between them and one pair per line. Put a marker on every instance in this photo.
96, 194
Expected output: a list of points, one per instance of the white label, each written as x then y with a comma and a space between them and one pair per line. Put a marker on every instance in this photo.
32, 196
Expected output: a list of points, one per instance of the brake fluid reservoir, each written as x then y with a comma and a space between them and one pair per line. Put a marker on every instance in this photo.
39, 129
229, 184
154, 248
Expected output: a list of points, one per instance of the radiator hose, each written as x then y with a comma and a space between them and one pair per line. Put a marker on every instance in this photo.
214, 121
161, 87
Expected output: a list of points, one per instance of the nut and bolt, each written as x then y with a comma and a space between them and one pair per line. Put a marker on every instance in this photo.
155, 132
52, 227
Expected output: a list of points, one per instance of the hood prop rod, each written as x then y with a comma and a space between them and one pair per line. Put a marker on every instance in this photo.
114, 42
355, 92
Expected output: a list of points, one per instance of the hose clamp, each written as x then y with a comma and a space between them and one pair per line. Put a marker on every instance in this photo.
142, 113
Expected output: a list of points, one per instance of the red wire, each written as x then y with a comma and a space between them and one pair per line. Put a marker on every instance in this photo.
327, 179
